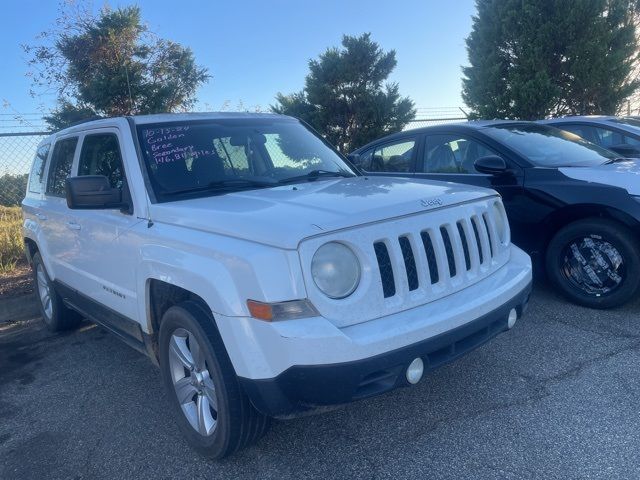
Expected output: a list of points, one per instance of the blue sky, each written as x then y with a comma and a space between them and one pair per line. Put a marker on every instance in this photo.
255, 49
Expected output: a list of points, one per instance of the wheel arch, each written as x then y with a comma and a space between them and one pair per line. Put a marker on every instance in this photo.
572, 213
30, 248
160, 296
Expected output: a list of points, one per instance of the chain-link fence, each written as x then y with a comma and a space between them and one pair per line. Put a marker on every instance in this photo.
430, 116
429, 122
16, 153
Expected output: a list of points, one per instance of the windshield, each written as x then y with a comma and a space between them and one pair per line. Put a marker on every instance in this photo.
196, 158
546, 146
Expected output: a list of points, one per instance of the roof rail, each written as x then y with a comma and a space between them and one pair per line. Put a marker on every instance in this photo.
85, 120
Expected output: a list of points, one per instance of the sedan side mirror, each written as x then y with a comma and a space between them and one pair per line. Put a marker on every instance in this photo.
491, 164
626, 150
92, 192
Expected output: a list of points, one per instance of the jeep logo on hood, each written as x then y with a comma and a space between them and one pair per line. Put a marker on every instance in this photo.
431, 202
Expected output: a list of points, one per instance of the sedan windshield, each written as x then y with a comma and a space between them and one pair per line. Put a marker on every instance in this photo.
546, 146
199, 158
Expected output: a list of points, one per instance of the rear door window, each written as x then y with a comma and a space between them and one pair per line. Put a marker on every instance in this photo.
446, 153
36, 179
61, 163
604, 137
392, 157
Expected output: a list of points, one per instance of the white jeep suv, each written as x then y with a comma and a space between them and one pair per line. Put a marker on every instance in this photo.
262, 273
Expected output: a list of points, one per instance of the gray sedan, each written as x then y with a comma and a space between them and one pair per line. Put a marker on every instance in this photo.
620, 134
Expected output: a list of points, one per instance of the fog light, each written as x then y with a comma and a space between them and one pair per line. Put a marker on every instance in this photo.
513, 316
415, 371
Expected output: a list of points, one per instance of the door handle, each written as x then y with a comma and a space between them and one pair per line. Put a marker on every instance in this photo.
73, 226
41, 216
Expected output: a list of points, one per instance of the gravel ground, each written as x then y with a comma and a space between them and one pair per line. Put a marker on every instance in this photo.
557, 397
17, 282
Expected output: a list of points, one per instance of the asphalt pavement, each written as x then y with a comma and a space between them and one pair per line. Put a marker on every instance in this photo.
556, 397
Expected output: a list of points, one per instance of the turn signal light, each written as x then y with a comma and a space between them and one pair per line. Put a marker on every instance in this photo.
281, 310
259, 310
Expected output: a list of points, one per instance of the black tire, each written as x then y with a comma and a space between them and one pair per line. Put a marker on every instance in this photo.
618, 275
238, 423
55, 315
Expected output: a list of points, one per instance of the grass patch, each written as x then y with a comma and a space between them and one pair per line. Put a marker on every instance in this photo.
11, 245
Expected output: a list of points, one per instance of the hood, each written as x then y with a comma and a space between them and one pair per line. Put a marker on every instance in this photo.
624, 174
282, 216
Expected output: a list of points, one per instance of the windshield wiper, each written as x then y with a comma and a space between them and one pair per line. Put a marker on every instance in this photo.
616, 160
225, 185
315, 174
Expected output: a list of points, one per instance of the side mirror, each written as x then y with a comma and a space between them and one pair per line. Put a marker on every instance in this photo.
491, 164
626, 150
92, 192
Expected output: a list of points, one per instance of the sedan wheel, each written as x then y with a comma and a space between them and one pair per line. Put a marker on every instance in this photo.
595, 262
593, 265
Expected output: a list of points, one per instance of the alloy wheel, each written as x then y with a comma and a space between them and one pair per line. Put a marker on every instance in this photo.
44, 292
593, 265
192, 382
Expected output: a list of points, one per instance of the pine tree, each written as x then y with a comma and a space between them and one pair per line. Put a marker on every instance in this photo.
345, 97
531, 59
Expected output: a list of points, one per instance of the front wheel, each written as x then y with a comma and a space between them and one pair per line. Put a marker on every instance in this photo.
212, 411
595, 263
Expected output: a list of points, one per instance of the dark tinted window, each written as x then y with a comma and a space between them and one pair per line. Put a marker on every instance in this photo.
549, 147
391, 157
37, 169
584, 131
452, 154
100, 155
61, 162
604, 137
631, 140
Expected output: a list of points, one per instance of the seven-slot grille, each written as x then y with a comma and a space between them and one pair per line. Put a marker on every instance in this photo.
452, 250
408, 261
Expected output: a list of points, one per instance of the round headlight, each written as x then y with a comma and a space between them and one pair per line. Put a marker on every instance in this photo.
501, 222
335, 270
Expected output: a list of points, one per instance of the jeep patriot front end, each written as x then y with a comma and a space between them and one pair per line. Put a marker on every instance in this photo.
262, 273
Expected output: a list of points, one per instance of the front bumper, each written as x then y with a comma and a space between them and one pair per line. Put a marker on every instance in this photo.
301, 388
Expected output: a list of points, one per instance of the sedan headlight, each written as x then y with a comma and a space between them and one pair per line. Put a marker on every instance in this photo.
335, 270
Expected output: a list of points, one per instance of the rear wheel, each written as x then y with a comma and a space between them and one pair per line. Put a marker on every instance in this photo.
211, 409
55, 314
595, 263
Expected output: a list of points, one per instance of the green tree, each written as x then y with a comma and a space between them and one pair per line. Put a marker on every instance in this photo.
12, 188
109, 64
345, 97
535, 58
